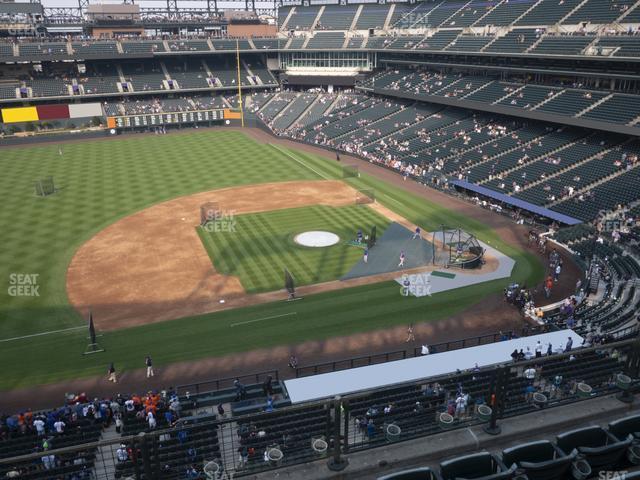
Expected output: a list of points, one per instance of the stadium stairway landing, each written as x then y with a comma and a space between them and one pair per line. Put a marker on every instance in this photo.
105, 465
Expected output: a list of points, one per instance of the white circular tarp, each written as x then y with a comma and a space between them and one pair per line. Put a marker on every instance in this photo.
316, 239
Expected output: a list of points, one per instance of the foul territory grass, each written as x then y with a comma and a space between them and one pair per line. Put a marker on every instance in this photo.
102, 181
260, 246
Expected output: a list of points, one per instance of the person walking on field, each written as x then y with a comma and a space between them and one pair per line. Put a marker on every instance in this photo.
401, 264
410, 336
112, 373
365, 256
149, 364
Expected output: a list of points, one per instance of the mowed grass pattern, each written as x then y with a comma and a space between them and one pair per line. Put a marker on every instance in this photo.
211, 159
100, 182
262, 245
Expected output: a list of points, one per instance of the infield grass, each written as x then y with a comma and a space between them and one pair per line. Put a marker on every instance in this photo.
261, 245
102, 181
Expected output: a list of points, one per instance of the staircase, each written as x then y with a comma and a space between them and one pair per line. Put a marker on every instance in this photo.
577, 7
444, 22
515, 22
489, 11
476, 90
533, 160
426, 15
591, 107
629, 10
286, 20
165, 71
284, 110
317, 19
267, 103
293, 125
370, 125
567, 168
397, 132
555, 95
592, 185
105, 464
494, 39
387, 21
508, 95
536, 43
356, 17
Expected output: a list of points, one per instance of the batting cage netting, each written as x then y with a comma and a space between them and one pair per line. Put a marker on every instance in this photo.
453, 247
45, 187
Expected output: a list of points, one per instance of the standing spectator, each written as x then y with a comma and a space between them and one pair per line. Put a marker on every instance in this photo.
538, 349
149, 365
241, 391
39, 424
267, 386
111, 372
569, 345
59, 427
121, 453
548, 285
151, 420
118, 423
556, 272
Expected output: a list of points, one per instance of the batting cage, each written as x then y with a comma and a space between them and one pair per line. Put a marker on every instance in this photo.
365, 196
45, 187
209, 212
350, 171
453, 247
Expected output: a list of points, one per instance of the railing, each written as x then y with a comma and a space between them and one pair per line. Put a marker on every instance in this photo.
217, 384
351, 363
365, 360
335, 427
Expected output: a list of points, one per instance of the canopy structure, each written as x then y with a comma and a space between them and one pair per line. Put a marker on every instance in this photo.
328, 385
516, 202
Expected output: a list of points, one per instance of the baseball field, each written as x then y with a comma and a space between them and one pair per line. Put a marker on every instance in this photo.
123, 222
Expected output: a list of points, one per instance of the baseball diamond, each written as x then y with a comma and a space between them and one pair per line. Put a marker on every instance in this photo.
320, 240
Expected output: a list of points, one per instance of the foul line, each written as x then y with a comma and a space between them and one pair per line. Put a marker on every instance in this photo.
261, 319
300, 162
40, 334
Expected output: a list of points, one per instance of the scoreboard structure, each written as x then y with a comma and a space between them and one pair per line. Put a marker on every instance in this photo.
150, 120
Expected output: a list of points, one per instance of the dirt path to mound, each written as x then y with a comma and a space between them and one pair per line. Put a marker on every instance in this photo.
151, 266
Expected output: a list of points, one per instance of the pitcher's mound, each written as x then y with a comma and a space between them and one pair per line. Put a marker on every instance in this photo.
316, 239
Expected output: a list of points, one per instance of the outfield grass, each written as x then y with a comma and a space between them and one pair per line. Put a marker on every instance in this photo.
104, 180
261, 245
100, 182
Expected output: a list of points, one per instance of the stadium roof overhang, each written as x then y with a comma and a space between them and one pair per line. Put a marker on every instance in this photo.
516, 202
